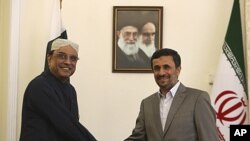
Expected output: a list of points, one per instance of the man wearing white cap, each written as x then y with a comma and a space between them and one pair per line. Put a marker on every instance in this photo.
50, 110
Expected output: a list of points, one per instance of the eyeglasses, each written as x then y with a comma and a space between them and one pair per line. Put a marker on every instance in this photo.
63, 57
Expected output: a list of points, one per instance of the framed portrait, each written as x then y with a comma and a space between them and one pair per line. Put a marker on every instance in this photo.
137, 34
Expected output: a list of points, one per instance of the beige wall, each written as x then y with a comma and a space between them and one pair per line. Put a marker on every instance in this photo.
4, 25
108, 102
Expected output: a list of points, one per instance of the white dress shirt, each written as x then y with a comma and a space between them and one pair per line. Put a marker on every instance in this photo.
165, 103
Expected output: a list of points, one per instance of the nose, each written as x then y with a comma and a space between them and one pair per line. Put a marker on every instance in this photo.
132, 37
161, 71
67, 60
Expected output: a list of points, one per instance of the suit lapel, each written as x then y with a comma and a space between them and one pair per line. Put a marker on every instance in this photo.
178, 99
156, 110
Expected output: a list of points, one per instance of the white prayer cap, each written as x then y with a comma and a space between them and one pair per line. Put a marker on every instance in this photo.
58, 43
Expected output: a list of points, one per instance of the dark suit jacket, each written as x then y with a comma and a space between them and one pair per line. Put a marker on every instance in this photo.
50, 112
191, 118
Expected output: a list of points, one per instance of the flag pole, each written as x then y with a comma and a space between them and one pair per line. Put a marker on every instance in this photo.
60, 4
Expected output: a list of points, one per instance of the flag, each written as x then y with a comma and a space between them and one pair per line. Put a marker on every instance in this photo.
57, 29
229, 92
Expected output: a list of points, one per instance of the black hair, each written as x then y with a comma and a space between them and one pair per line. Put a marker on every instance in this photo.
51, 52
167, 52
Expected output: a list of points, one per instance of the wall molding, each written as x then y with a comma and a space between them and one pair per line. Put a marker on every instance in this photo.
13, 70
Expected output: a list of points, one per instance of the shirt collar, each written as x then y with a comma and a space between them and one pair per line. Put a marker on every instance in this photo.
173, 90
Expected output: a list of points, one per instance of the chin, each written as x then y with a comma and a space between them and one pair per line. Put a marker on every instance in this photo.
164, 84
65, 73
65, 76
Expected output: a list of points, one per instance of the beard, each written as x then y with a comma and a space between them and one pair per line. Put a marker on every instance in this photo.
128, 48
148, 49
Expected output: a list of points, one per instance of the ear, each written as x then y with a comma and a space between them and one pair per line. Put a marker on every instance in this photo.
179, 69
49, 57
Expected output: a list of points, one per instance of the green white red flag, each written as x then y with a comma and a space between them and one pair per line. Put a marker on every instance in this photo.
229, 93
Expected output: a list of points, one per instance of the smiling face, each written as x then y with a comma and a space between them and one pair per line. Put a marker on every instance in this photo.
128, 40
62, 63
129, 34
165, 72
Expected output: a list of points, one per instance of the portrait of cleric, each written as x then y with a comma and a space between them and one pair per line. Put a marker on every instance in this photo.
136, 39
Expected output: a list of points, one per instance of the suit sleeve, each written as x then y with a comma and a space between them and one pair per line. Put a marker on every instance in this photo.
205, 119
42, 99
139, 132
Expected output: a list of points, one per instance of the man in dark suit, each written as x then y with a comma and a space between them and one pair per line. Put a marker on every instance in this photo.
175, 112
50, 110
